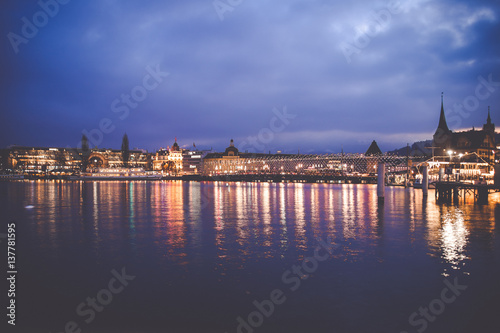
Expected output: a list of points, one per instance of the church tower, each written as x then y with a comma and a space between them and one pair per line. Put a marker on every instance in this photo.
489, 126
442, 136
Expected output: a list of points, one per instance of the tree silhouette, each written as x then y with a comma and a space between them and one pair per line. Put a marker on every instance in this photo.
85, 152
125, 150
169, 167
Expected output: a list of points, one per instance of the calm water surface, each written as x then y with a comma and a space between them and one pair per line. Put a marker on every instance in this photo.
202, 253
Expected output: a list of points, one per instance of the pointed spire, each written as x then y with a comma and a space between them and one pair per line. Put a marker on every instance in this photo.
489, 126
442, 119
373, 150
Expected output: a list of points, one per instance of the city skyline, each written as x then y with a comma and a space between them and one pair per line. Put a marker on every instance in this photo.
206, 72
245, 144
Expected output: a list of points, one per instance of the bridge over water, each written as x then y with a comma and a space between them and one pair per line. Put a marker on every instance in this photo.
355, 168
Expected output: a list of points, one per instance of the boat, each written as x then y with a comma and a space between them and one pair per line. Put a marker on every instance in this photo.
118, 174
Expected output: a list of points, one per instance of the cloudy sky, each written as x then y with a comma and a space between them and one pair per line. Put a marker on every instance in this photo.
273, 75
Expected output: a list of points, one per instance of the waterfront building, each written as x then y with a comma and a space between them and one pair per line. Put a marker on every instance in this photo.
42, 160
112, 158
169, 160
476, 146
175, 155
192, 160
160, 159
46, 160
232, 161
465, 155
178, 161
34, 160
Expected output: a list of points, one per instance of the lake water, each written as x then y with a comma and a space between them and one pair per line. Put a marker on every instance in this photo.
249, 257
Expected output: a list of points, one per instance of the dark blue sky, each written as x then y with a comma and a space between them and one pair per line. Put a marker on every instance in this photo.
348, 72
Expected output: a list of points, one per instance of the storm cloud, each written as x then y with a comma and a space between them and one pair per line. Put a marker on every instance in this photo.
350, 72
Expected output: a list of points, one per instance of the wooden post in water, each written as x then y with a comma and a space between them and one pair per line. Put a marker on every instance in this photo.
482, 194
497, 175
381, 181
425, 181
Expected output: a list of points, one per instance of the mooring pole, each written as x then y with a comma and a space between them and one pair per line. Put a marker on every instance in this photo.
496, 178
425, 181
381, 181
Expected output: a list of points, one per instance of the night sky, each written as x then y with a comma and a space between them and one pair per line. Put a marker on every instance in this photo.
208, 71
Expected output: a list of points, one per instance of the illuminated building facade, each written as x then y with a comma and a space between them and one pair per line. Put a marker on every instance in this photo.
177, 161
112, 158
232, 161
175, 155
42, 159
466, 146
192, 161
169, 160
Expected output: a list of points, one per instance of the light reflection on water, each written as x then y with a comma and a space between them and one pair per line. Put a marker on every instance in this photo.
270, 217
454, 239
242, 232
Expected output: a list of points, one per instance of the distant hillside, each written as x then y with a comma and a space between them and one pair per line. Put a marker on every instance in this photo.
416, 149
419, 148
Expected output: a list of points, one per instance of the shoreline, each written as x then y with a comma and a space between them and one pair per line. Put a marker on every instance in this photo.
226, 178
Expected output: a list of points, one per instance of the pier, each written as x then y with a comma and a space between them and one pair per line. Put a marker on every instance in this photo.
456, 191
